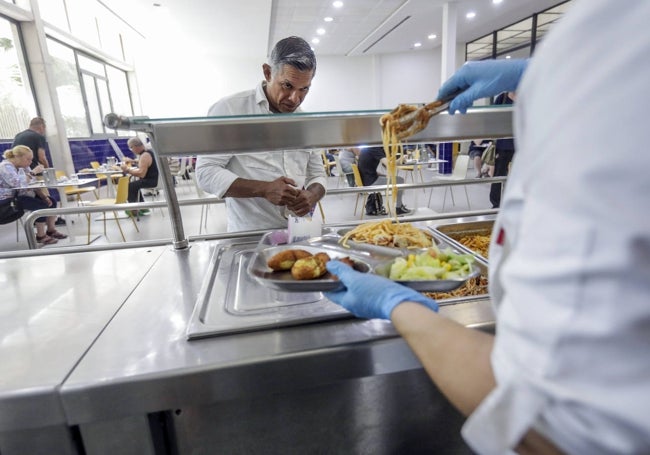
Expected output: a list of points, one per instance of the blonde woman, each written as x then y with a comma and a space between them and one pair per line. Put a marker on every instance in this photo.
15, 159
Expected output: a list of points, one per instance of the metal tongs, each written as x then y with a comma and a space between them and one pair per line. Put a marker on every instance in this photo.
408, 119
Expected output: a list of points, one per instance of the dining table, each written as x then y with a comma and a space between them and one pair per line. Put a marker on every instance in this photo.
101, 172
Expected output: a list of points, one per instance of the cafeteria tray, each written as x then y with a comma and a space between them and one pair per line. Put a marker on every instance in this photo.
452, 230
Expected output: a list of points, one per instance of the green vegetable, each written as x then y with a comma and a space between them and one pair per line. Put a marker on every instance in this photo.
432, 265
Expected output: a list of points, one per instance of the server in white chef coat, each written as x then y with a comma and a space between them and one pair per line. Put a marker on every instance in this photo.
569, 367
262, 189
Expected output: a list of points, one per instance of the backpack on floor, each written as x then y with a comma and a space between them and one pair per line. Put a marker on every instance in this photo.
375, 205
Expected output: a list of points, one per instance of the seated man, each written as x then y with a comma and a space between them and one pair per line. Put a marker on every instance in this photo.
369, 159
147, 172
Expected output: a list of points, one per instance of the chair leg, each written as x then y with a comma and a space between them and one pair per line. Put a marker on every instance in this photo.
363, 206
135, 224
322, 212
469, 207
118, 225
356, 204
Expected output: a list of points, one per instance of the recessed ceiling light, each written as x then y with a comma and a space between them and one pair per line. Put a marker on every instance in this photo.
470, 15
337, 4
320, 31
432, 36
328, 19
496, 2
417, 44
157, 4
315, 40
507, 56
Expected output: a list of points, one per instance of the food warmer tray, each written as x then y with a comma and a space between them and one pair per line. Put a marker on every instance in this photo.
451, 230
232, 301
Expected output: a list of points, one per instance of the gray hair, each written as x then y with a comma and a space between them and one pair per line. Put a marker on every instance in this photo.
134, 142
293, 51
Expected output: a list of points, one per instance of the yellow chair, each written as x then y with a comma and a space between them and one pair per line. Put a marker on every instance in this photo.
76, 190
359, 183
104, 177
327, 164
120, 198
412, 168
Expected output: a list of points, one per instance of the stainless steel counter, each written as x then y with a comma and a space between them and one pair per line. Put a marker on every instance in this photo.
51, 310
97, 342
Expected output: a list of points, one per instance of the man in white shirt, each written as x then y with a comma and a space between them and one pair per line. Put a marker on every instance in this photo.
262, 189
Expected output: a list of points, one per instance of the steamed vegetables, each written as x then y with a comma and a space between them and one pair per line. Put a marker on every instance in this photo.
433, 264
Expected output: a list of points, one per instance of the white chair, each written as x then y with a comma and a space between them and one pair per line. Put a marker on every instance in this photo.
339, 171
458, 173
155, 192
179, 174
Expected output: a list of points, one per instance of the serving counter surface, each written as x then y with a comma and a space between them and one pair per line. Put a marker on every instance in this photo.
144, 362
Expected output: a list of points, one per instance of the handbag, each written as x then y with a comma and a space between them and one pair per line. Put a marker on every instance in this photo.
10, 210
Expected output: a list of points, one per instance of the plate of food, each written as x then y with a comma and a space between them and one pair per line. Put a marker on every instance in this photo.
387, 233
300, 268
430, 269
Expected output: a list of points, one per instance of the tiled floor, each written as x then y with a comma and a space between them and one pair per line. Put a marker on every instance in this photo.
156, 225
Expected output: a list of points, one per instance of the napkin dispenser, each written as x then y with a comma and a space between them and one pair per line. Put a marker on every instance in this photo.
49, 176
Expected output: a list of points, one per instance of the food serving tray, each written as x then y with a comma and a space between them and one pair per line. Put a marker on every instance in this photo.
284, 281
367, 259
452, 230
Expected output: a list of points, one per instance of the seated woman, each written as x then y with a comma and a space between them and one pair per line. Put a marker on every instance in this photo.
33, 199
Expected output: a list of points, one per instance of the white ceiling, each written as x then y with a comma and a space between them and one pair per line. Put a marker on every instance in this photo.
360, 27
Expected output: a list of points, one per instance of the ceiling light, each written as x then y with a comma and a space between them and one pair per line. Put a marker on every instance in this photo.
337, 4
328, 19
496, 2
320, 31
417, 44
315, 40
470, 15
507, 56
432, 36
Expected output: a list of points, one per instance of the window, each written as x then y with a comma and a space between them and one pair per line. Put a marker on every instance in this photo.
517, 40
17, 104
68, 89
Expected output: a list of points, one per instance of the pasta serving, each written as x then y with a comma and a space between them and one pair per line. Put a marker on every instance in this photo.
400, 123
389, 233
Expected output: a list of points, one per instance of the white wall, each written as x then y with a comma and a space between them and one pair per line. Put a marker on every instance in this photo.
191, 85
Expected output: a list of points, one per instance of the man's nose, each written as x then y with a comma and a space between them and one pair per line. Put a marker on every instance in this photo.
295, 97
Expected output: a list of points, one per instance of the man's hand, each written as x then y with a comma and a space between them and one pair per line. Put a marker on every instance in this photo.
303, 203
281, 191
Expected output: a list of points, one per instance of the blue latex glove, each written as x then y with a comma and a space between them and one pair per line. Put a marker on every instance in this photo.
482, 79
371, 296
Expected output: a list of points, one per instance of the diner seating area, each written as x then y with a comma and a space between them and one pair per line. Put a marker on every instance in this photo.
198, 220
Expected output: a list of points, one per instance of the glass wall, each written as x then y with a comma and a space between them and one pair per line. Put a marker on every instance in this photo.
88, 89
516, 40
17, 104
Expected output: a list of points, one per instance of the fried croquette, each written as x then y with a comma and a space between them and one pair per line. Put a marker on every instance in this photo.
284, 260
324, 257
308, 268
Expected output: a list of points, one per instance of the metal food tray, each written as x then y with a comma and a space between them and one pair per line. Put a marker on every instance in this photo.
231, 301
284, 281
452, 230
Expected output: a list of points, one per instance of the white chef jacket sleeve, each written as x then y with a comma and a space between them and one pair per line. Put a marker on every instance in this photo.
569, 259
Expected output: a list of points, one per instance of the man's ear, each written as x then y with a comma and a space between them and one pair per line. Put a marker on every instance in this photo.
266, 68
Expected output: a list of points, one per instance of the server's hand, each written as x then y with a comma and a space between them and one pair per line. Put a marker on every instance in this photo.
371, 296
480, 80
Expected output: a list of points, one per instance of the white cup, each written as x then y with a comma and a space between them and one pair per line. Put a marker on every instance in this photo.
303, 227
74, 177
